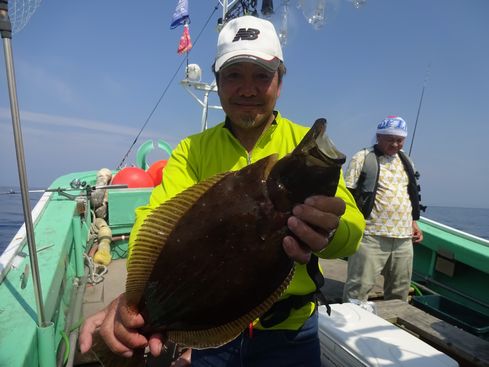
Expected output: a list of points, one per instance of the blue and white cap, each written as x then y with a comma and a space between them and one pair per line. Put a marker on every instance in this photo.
392, 125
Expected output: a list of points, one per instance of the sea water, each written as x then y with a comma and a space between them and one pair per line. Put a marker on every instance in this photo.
472, 220
11, 214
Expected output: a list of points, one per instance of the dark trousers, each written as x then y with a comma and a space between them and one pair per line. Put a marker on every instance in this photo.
281, 348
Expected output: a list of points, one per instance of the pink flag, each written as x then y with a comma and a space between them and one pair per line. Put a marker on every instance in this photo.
185, 42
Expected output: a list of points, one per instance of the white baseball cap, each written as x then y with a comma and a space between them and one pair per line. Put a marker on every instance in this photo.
248, 39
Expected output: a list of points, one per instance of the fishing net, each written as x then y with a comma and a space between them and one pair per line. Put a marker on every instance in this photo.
20, 11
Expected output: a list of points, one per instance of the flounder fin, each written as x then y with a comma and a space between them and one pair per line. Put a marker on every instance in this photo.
220, 335
153, 234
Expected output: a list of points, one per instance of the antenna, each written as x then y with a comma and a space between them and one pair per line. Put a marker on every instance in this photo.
425, 82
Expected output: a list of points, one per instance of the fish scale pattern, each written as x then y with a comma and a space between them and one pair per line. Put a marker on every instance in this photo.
151, 239
154, 234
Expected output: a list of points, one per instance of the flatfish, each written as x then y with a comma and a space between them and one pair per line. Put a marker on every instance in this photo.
209, 261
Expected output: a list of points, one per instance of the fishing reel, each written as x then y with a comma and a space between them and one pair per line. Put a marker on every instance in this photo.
76, 184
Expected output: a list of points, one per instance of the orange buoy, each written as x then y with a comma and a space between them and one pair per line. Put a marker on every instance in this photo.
133, 177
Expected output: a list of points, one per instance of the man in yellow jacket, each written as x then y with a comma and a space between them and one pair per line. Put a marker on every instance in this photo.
249, 69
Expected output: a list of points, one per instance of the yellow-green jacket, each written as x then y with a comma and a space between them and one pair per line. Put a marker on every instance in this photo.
216, 150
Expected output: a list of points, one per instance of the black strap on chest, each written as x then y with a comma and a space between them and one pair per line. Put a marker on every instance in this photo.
280, 311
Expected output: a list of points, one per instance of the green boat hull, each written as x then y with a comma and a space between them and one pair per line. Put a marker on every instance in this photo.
453, 266
448, 263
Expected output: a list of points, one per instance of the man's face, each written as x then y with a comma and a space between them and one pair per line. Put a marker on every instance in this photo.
248, 94
390, 144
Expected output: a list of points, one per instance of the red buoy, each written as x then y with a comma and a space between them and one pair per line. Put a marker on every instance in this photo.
133, 177
156, 171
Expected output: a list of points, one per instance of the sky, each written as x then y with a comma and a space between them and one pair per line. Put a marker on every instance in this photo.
90, 73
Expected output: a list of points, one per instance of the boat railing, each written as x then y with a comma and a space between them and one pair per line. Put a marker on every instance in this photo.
14, 248
456, 232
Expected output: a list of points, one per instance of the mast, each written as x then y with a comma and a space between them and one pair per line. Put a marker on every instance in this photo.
193, 72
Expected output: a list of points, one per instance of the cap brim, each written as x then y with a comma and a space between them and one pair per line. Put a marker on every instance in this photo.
392, 132
270, 65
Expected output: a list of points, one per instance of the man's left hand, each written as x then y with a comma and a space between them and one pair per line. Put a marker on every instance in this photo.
313, 224
417, 233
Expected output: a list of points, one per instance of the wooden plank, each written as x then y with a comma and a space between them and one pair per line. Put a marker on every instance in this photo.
466, 348
390, 310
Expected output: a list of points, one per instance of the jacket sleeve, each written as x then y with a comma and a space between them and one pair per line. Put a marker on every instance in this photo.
350, 229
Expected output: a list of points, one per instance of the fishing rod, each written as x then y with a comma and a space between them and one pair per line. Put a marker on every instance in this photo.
10, 192
84, 186
87, 188
419, 106
91, 188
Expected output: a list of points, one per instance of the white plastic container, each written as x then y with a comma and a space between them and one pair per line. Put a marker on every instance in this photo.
353, 337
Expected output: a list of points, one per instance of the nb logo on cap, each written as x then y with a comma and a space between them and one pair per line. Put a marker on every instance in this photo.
244, 34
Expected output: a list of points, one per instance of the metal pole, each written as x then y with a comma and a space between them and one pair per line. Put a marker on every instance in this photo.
226, 5
204, 110
19, 150
206, 88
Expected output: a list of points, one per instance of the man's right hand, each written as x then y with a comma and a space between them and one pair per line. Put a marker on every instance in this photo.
118, 326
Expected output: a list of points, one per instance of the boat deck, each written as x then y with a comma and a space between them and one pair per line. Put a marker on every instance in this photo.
100, 295
334, 280
464, 347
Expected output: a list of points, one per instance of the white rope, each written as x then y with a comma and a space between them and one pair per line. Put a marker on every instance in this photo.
96, 271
